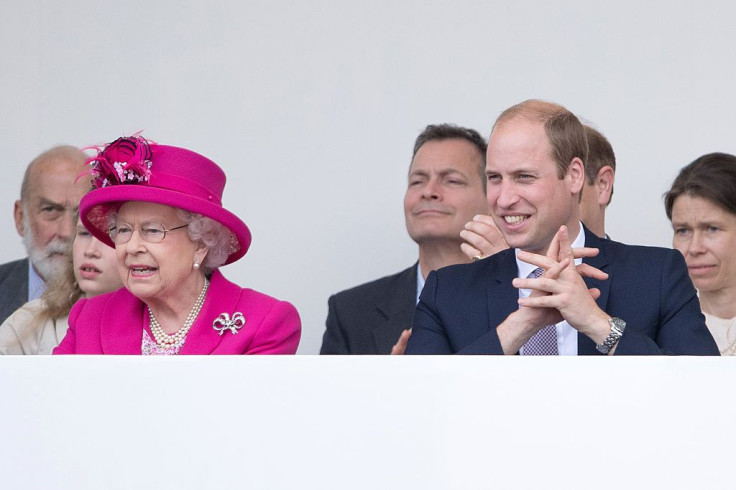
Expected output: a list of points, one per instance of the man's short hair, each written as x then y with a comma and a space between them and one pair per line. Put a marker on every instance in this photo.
564, 130
711, 177
600, 154
441, 132
62, 152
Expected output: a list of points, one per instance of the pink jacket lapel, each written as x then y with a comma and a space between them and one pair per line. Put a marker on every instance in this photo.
222, 297
122, 329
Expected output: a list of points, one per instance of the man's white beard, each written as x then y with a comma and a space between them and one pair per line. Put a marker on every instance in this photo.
46, 260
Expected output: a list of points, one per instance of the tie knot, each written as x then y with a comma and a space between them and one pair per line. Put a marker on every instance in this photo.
535, 273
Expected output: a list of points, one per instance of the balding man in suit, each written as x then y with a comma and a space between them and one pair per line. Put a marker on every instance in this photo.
540, 297
45, 220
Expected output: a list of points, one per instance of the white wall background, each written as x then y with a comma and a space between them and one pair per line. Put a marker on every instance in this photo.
312, 107
331, 423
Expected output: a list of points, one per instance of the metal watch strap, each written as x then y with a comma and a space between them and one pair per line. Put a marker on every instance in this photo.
617, 330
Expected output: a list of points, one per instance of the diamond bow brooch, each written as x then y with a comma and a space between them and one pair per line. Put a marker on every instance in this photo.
224, 322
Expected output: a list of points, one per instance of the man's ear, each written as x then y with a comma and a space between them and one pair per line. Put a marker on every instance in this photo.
576, 173
604, 185
18, 216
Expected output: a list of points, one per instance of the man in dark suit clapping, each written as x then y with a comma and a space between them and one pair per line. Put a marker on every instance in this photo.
446, 190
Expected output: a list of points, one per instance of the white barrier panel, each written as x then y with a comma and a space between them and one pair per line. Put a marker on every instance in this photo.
365, 422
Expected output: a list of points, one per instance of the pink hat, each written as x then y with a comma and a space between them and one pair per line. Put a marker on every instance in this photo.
135, 169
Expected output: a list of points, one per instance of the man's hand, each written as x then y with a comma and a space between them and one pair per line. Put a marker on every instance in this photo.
483, 238
561, 287
559, 293
400, 345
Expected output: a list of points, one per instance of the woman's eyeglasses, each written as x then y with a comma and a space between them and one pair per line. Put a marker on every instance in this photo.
150, 232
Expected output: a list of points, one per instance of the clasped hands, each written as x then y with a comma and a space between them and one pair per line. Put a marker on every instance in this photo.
560, 292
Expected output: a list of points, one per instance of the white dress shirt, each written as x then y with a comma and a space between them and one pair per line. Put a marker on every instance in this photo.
567, 337
420, 281
36, 285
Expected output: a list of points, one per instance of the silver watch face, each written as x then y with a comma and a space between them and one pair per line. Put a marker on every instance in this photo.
618, 323
617, 329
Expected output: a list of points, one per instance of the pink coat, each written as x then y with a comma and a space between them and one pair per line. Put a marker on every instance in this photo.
113, 324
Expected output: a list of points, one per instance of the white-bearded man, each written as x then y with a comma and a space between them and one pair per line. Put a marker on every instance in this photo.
45, 219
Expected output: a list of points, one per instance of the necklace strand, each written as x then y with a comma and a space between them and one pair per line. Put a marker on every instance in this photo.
164, 339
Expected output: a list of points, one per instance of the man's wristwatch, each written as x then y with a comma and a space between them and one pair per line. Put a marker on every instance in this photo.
617, 330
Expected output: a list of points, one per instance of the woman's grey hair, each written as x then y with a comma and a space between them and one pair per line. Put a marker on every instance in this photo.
211, 234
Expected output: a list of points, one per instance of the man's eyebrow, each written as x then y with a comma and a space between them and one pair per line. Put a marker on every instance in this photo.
444, 171
526, 169
43, 202
451, 170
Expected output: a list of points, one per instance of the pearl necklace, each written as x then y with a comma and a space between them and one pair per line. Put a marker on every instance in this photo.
164, 339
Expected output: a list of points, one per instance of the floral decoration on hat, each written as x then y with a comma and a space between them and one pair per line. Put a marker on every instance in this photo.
126, 160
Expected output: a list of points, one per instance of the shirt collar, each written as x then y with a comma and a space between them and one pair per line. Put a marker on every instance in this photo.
36, 285
420, 281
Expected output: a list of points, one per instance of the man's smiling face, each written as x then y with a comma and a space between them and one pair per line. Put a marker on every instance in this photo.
528, 200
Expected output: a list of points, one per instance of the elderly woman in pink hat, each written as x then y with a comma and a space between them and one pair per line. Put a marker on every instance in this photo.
160, 208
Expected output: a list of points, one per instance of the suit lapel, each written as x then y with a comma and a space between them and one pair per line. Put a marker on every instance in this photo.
502, 297
585, 345
14, 287
395, 310
21, 291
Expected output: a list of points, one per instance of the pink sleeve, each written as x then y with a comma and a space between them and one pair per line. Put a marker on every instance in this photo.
279, 331
69, 343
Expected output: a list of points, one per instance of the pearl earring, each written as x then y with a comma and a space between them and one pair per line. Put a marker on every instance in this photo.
196, 266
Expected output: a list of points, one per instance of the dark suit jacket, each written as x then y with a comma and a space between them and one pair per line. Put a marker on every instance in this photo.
649, 288
369, 319
13, 287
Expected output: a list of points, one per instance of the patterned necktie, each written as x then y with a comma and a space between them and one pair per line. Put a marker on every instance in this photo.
544, 342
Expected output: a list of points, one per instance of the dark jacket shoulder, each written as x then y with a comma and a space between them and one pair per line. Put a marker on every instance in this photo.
367, 292
9, 269
369, 318
13, 287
